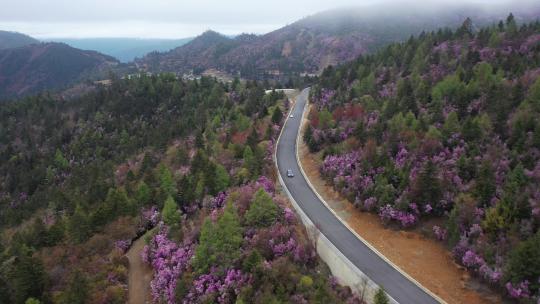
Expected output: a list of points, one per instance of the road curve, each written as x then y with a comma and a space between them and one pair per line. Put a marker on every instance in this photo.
395, 283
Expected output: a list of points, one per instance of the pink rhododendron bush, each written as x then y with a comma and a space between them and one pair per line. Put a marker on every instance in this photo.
246, 244
413, 138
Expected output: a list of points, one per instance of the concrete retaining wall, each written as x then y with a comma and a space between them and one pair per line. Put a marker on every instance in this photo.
345, 271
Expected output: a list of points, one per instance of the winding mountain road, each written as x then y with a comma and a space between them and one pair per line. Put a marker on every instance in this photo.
396, 284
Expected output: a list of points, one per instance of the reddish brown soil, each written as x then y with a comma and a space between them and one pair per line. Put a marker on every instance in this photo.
424, 259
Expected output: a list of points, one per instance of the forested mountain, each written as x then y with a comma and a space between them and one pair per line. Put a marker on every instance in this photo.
444, 128
13, 39
47, 66
188, 164
313, 43
194, 55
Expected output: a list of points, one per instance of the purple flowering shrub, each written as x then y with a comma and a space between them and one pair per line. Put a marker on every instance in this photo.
179, 277
434, 143
122, 245
168, 260
211, 286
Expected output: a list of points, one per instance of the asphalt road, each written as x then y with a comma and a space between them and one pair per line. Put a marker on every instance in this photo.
396, 285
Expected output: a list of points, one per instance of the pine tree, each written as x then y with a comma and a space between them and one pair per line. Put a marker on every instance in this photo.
170, 213
222, 178
263, 211
59, 160
466, 30
524, 262
146, 164
219, 243
485, 184
511, 25
167, 185
428, 186
277, 115
79, 226
119, 202
77, 290
26, 279
143, 194
249, 161
405, 96
253, 138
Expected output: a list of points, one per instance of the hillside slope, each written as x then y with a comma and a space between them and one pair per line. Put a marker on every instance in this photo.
442, 132
36, 67
82, 179
315, 42
12, 40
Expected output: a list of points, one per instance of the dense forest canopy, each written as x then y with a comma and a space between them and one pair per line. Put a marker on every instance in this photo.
186, 165
444, 126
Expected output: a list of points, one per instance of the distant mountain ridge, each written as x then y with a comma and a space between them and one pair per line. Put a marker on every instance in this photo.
311, 44
13, 40
45, 66
124, 49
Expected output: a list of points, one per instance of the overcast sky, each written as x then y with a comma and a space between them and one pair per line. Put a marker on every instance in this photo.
161, 18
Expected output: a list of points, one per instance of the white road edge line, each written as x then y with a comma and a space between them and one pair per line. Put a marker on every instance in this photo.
303, 215
345, 223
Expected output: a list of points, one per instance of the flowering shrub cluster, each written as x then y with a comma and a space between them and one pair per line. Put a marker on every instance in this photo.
149, 217
244, 263
223, 289
404, 218
169, 261
455, 139
122, 245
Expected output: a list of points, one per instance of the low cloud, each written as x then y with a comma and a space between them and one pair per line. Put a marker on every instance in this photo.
177, 19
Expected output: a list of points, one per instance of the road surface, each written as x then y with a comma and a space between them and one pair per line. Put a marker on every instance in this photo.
396, 284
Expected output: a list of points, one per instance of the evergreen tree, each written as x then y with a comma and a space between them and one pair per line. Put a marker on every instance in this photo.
250, 161
146, 164
219, 243
167, 185
312, 144
143, 195
222, 178
56, 232
485, 184
170, 213
77, 290
466, 29
59, 160
27, 279
277, 116
253, 138
119, 203
79, 226
405, 95
263, 211
428, 188
381, 297
524, 262
511, 25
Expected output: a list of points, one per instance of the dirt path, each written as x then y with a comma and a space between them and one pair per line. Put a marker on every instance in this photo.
140, 275
426, 260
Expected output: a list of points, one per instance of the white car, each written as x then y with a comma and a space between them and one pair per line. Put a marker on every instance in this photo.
290, 173
291, 116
